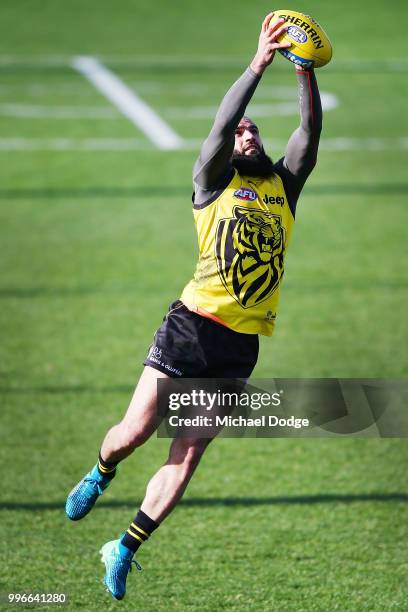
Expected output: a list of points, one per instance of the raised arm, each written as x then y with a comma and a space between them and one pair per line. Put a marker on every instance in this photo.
301, 151
213, 165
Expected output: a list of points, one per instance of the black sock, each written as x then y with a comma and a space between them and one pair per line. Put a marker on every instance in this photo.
139, 531
106, 469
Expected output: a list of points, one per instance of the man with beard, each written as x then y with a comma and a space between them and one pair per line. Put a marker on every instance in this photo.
244, 207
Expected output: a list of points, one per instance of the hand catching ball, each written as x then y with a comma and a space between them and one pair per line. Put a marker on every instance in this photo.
310, 46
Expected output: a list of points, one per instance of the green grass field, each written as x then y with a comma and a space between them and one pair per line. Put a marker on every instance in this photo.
97, 238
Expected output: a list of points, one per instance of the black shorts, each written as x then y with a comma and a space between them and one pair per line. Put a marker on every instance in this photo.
192, 346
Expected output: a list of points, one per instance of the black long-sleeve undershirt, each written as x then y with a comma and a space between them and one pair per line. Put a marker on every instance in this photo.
213, 169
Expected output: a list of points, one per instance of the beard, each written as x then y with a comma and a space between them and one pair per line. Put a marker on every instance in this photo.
258, 165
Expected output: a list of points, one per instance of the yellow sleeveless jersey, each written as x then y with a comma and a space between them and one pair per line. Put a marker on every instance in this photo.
242, 237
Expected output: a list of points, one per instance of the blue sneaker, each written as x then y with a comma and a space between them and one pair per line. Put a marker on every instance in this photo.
118, 562
82, 498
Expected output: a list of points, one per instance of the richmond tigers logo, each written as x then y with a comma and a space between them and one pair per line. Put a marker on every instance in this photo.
249, 248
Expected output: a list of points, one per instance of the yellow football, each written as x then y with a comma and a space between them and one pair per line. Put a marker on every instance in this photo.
311, 47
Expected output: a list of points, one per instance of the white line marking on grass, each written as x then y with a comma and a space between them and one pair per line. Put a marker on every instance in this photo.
54, 89
73, 144
35, 111
272, 109
127, 101
389, 64
192, 144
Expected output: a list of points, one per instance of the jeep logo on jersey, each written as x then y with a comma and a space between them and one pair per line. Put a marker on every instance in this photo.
272, 200
250, 247
297, 34
246, 194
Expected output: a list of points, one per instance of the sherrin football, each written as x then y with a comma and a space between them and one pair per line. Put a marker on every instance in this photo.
311, 47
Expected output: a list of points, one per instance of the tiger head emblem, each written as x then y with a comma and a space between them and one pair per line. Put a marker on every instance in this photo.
250, 248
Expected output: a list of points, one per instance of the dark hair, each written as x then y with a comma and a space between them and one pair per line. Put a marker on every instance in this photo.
258, 165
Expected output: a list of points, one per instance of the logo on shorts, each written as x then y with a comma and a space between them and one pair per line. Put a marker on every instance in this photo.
155, 356
297, 34
155, 352
246, 194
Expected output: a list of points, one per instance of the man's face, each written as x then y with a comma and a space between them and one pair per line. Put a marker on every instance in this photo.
247, 139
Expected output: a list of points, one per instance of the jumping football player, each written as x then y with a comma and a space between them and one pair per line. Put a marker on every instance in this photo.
244, 207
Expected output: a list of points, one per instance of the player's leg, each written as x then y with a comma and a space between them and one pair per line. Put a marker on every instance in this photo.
167, 486
163, 492
138, 424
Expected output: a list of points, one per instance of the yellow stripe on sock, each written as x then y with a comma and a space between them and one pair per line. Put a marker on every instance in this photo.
139, 529
135, 536
104, 469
